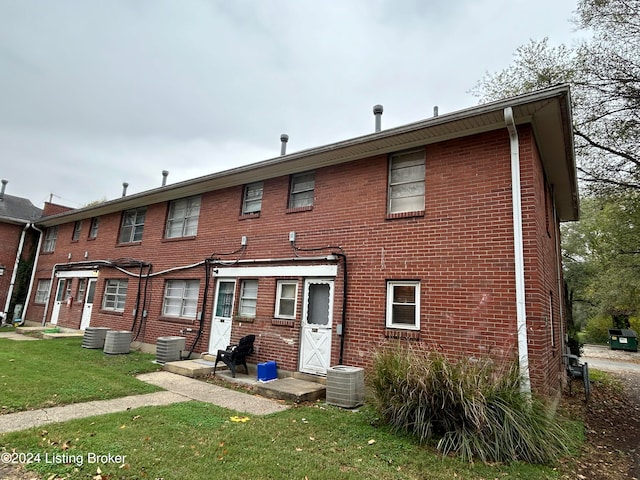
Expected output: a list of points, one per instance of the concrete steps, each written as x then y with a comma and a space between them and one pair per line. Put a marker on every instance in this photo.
288, 388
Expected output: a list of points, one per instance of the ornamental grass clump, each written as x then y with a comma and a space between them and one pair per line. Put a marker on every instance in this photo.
469, 407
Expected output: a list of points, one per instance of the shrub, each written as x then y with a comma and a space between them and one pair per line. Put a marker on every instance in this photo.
597, 329
474, 407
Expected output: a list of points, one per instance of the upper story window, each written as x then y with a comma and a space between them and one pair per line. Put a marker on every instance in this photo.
181, 298
132, 225
77, 228
286, 295
115, 295
302, 190
403, 305
93, 230
252, 198
406, 182
49, 244
183, 218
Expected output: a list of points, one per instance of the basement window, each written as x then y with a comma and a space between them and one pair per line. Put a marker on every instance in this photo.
403, 305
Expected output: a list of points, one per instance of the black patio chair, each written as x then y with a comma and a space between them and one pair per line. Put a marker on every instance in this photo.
236, 355
578, 371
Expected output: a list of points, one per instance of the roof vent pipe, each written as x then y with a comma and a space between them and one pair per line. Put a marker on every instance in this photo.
124, 188
165, 174
284, 138
435, 110
377, 111
4, 185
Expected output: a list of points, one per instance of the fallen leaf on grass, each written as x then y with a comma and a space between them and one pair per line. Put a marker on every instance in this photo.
371, 442
239, 419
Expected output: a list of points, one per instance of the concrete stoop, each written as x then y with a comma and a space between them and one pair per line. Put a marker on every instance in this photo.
41, 332
288, 388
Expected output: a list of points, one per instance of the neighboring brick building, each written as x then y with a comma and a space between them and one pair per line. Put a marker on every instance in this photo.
417, 222
18, 239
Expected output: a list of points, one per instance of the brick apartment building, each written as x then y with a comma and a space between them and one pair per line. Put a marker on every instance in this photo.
424, 233
18, 240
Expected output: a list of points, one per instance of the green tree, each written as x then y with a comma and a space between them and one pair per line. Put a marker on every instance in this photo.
604, 72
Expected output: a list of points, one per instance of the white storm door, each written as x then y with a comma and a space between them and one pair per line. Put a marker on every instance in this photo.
317, 319
88, 304
55, 312
222, 316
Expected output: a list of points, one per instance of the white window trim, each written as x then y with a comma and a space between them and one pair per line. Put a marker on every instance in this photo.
389, 320
279, 286
183, 299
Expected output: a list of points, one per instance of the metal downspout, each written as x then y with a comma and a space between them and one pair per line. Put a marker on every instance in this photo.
33, 272
14, 274
521, 312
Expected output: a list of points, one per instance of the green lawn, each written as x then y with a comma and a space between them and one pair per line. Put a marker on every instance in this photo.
45, 373
195, 440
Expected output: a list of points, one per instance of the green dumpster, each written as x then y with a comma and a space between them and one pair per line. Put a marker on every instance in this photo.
623, 339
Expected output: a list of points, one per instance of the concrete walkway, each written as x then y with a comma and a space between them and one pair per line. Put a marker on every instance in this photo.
179, 389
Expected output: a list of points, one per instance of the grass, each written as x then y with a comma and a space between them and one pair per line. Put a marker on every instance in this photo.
196, 440
46, 373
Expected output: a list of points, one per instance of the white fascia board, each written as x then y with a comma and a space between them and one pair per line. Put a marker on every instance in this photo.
277, 271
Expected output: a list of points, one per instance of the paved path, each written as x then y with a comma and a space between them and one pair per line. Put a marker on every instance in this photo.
178, 389
16, 336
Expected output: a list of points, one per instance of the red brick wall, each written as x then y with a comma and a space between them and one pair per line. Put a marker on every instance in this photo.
460, 249
9, 240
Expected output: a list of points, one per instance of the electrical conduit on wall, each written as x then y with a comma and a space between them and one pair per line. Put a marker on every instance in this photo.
521, 312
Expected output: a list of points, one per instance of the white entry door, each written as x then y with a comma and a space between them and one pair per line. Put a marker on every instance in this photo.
317, 319
222, 315
59, 300
88, 304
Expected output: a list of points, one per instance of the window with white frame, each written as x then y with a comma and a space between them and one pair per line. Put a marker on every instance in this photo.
286, 296
406, 181
77, 228
132, 225
302, 190
403, 305
248, 298
49, 244
42, 290
93, 230
115, 295
183, 217
252, 198
181, 298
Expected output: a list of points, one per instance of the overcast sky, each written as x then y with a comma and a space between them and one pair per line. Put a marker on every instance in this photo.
94, 93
